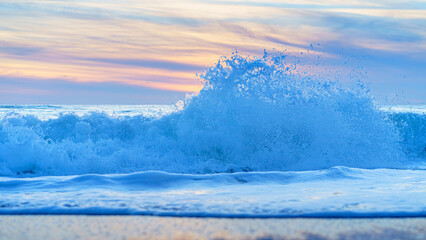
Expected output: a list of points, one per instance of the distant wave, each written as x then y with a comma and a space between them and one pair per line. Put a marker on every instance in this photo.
253, 114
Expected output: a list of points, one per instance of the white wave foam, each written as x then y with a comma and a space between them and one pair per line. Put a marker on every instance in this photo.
335, 192
253, 114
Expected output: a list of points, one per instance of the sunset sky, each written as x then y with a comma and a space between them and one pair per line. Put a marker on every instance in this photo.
148, 52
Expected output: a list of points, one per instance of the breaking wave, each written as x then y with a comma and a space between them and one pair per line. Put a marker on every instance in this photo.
253, 114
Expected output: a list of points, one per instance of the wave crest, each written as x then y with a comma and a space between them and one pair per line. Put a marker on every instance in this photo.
259, 114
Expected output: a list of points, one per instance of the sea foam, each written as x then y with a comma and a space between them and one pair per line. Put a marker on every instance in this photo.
253, 114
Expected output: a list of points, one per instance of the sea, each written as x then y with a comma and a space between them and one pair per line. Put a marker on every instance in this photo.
259, 140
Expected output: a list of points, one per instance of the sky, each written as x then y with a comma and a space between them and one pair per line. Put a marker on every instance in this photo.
148, 52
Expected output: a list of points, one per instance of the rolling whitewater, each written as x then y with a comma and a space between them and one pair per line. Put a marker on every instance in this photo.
262, 139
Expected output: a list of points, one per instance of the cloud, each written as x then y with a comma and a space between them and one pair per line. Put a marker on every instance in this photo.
371, 27
158, 44
20, 50
61, 91
150, 63
326, 4
90, 12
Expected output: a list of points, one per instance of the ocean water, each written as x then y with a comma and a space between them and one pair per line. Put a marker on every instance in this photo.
261, 139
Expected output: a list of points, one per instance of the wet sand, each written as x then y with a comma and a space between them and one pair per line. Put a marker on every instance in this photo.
147, 227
